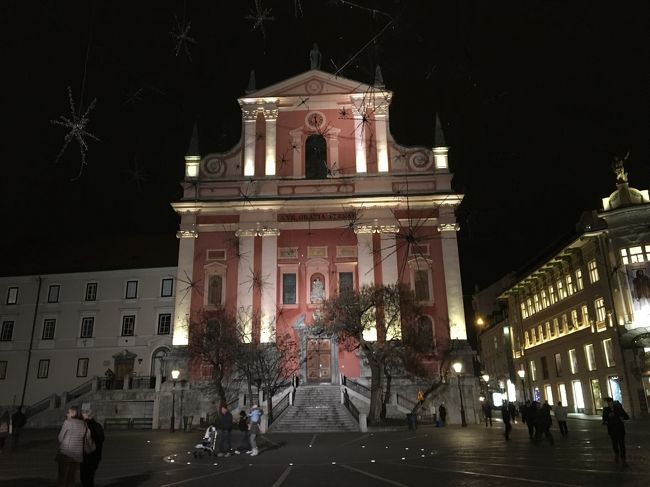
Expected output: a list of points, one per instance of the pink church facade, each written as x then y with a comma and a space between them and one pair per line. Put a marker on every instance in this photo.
317, 196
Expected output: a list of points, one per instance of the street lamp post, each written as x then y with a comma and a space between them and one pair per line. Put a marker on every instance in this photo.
458, 367
175, 374
522, 373
182, 418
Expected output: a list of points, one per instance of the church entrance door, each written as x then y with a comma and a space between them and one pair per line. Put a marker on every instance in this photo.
319, 357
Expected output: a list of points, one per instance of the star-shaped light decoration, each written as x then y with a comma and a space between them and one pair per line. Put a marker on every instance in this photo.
260, 15
181, 36
77, 124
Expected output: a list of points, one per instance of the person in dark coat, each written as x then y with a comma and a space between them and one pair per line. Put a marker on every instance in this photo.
529, 415
442, 412
91, 460
225, 428
245, 443
4, 429
487, 413
543, 423
613, 417
513, 412
505, 414
18, 422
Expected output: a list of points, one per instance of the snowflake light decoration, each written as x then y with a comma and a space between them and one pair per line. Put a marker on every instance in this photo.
77, 125
137, 175
260, 15
181, 37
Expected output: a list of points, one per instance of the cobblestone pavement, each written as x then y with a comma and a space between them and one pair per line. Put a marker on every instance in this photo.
450, 456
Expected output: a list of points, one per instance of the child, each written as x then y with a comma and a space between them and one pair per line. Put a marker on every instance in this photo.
255, 417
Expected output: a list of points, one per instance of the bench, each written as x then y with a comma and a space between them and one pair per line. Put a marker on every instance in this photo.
125, 422
141, 423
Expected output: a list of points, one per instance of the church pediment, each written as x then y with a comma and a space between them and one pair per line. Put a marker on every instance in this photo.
311, 83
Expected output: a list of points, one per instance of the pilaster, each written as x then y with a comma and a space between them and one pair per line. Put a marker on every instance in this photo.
183, 302
454, 289
271, 117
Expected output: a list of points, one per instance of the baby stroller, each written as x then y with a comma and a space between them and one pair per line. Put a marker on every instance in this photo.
208, 443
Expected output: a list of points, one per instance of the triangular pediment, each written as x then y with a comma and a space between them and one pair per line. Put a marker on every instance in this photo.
311, 83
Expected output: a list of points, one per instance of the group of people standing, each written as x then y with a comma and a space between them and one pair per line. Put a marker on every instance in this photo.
11, 426
81, 441
249, 425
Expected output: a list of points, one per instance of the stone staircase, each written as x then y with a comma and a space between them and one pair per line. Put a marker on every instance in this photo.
315, 409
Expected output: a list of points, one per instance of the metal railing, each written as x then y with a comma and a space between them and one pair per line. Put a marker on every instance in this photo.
405, 402
355, 386
143, 382
350, 406
278, 409
80, 390
38, 407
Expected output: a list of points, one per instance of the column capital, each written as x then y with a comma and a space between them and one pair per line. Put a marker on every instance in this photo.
258, 231
448, 227
271, 114
188, 231
375, 227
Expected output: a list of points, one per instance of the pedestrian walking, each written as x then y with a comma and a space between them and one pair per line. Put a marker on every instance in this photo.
91, 460
543, 423
442, 413
4, 429
18, 422
505, 414
225, 428
613, 417
561, 415
255, 428
242, 425
487, 413
71, 447
529, 416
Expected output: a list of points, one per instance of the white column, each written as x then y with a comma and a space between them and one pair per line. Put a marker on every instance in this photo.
183, 301
271, 117
250, 117
381, 140
453, 285
244, 286
360, 144
365, 259
269, 290
389, 259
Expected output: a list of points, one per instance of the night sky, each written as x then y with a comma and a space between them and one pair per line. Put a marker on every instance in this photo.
536, 98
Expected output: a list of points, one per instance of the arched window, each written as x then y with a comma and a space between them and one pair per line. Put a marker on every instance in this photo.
316, 157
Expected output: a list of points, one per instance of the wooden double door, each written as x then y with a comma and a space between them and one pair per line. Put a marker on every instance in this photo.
319, 360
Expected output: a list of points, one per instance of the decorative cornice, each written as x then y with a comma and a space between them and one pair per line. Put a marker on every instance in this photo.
375, 227
448, 227
258, 231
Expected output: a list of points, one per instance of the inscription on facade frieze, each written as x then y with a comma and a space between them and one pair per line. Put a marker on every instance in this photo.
315, 217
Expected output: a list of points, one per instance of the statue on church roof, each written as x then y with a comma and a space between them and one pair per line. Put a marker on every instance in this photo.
315, 57
619, 168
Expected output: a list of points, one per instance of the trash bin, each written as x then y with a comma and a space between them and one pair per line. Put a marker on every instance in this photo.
412, 421
187, 423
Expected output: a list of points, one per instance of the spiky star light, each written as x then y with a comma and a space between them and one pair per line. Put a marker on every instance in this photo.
181, 37
77, 124
260, 15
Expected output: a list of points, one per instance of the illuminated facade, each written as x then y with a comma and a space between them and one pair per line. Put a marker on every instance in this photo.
581, 320
316, 196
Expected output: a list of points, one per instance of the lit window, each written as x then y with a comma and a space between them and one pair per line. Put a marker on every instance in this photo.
289, 288
608, 348
569, 285
128, 325
167, 288
131, 290
636, 255
565, 324
585, 315
12, 295
558, 364
544, 299
624, 257
53, 293
527, 338
579, 284
91, 291
215, 290
573, 361
551, 295
87, 326
524, 313
49, 326
7, 332
43, 369
601, 314
536, 303
561, 292
549, 332
574, 318
556, 326
3, 369
82, 367
529, 307
593, 271
540, 332
590, 357
164, 323
533, 336
533, 370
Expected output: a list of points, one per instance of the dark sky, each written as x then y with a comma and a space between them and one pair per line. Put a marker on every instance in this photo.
536, 98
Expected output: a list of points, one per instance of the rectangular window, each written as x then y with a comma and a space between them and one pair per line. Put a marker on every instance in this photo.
536, 303
636, 255
164, 324
544, 368
7, 332
556, 326
12, 295
585, 315
579, 283
53, 293
533, 336
527, 338
533, 370
524, 313
561, 292
529, 307
608, 349
565, 324
421, 278
590, 357
215, 290
43, 369
540, 332
87, 326
128, 325
3, 369
574, 319
131, 290
346, 281
573, 361
558, 364
82, 367
544, 299
601, 314
596, 394
569, 285
593, 271
551, 295
288, 289
167, 288
91, 291
49, 326
549, 332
